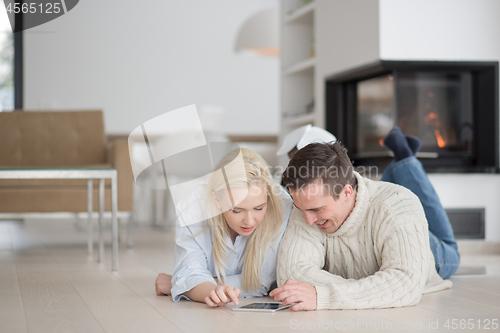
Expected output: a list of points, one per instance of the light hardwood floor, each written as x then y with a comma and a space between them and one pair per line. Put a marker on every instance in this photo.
48, 284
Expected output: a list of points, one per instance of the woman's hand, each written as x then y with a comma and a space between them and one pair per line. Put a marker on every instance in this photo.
221, 295
163, 284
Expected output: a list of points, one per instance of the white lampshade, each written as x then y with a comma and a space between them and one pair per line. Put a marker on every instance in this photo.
259, 34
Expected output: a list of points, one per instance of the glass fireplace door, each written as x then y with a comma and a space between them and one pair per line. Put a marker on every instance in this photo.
435, 107
375, 116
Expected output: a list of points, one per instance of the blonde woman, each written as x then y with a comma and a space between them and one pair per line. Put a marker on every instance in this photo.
233, 254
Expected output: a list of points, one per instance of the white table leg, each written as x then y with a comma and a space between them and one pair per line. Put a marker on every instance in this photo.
114, 226
101, 216
90, 244
130, 231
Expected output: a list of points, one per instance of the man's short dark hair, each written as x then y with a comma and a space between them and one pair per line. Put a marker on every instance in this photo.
327, 162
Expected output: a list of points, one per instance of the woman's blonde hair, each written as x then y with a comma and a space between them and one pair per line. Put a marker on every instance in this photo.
255, 172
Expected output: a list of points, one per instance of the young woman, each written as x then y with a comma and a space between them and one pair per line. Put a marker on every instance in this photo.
233, 252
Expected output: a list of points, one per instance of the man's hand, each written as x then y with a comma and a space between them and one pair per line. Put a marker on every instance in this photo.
163, 284
296, 292
222, 295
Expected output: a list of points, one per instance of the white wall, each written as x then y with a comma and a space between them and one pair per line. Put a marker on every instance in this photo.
347, 36
472, 191
138, 59
467, 30
347, 33
440, 30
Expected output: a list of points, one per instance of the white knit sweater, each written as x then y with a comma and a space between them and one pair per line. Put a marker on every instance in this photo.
380, 256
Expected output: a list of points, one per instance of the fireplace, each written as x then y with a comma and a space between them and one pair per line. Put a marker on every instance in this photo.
452, 107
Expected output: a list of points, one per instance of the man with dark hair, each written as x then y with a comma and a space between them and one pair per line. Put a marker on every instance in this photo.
326, 162
354, 243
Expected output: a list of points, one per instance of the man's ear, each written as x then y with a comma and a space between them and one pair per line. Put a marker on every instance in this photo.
348, 191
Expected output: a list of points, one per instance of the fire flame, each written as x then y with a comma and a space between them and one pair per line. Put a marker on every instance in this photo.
381, 142
439, 139
432, 116
432, 119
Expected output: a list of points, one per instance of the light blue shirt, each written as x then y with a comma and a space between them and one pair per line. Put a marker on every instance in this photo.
194, 257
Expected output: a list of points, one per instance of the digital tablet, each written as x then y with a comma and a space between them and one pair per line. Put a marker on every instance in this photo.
262, 307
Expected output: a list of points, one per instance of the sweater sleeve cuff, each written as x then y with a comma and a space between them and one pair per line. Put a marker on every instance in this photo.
322, 297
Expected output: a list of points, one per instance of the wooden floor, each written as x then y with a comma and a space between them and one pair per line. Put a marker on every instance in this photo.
48, 284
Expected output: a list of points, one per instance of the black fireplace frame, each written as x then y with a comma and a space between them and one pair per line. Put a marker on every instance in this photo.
340, 107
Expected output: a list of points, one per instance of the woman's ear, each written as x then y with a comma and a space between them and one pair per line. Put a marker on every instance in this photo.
216, 199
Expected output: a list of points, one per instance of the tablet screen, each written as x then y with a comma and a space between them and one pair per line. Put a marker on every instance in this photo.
268, 306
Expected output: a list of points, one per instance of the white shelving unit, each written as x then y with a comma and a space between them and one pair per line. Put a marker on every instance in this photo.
298, 66
299, 120
302, 66
299, 12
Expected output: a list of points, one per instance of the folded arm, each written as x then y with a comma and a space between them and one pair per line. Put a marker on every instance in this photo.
399, 281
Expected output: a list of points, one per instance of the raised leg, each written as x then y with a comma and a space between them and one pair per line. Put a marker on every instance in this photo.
410, 173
